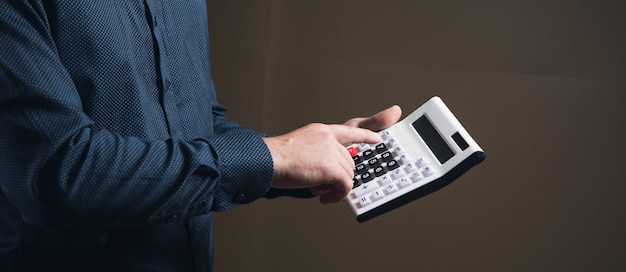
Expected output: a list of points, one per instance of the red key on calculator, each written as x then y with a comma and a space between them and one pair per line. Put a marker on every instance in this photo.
353, 151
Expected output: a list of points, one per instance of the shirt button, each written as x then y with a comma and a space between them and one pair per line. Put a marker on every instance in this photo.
173, 218
167, 84
240, 197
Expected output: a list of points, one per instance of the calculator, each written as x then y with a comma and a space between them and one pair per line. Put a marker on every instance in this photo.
420, 154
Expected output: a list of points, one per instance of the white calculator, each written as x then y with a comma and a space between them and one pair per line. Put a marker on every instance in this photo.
422, 153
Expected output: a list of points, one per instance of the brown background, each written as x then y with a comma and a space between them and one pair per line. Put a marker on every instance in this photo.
539, 84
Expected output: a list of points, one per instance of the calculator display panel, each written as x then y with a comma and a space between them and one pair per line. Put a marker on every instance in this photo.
433, 139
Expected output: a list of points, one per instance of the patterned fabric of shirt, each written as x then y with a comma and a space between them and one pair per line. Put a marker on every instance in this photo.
113, 148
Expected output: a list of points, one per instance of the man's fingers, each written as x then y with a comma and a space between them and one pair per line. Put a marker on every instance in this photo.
339, 193
378, 121
347, 135
320, 190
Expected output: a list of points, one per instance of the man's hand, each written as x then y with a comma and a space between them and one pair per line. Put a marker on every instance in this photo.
379, 121
315, 156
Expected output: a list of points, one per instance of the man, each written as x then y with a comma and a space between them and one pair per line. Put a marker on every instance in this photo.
114, 150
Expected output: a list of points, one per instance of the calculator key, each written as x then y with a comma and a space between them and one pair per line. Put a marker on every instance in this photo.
403, 183
404, 159
410, 168
390, 189
368, 154
353, 151
379, 171
373, 162
393, 164
355, 183
364, 189
399, 151
380, 148
384, 180
377, 195
367, 177
360, 169
362, 146
386, 157
427, 171
385, 135
415, 177
392, 142
397, 174
364, 201
421, 163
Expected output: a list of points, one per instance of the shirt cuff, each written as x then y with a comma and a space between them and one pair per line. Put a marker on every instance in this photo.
246, 168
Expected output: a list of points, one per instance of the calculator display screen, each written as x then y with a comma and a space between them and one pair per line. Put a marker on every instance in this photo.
433, 139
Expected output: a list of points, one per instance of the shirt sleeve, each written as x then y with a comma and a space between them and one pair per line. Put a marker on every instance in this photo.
61, 172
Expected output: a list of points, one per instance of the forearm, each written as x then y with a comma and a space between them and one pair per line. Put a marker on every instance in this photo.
100, 179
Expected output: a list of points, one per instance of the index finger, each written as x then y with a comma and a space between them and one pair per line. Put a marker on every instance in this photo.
348, 135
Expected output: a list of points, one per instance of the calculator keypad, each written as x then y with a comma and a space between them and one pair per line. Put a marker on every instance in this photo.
383, 170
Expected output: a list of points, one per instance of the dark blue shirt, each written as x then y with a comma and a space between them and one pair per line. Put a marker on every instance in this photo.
113, 148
